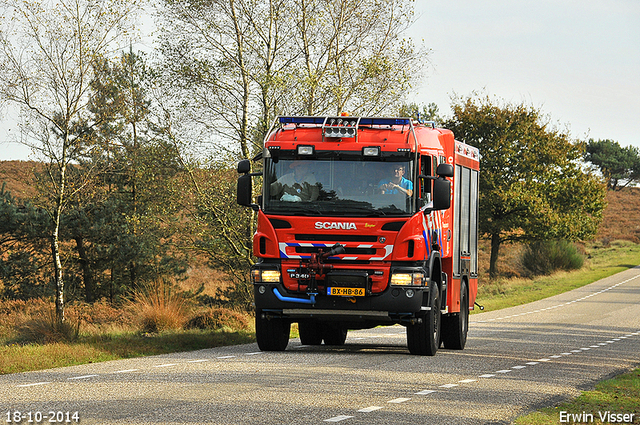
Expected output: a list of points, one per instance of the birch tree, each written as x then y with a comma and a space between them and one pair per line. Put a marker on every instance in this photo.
47, 52
239, 63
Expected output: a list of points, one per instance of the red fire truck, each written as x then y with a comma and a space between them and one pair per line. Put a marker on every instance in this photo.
363, 222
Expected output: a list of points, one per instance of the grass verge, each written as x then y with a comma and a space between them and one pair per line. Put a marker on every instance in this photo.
98, 348
619, 396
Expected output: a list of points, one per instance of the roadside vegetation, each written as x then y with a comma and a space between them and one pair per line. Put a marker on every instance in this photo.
162, 318
618, 396
156, 320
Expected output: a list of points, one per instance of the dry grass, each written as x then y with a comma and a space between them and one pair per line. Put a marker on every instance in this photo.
158, 306
199, 275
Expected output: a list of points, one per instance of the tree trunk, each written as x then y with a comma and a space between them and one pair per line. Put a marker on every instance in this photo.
61, 183
87, 277
58, 278
495, 249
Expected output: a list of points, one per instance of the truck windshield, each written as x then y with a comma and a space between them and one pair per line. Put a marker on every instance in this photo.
336, 187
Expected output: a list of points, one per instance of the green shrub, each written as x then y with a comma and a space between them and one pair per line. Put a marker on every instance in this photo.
546, 257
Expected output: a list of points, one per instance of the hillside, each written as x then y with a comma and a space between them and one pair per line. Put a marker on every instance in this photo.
622, 216
17, 176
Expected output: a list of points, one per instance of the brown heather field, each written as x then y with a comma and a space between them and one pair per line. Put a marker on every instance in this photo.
17, 177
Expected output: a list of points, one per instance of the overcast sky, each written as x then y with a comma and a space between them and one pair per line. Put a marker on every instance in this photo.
579, 61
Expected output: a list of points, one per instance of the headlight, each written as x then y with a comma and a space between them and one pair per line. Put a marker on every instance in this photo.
268, 276
408, 279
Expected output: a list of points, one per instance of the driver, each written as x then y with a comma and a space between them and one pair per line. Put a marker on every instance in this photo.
397, 183
298, 185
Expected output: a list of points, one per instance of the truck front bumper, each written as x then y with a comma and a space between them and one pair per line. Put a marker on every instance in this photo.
395, 305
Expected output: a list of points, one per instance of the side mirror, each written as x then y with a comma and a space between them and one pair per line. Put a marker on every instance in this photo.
244, 166
445, 170
244, 190
441, 193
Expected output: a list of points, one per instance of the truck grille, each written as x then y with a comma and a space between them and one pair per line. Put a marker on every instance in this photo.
348, 251
336, 238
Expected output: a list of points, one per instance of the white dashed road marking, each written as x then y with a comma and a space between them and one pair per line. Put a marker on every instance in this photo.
398, 400
83, 377
125, 371
338, 418
34, 384
370, 409
448, 385
425, 392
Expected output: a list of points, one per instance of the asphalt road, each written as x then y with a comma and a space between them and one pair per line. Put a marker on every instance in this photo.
516, 361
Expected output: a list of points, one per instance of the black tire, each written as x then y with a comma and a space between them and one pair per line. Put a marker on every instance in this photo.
455, 327
272, 334
423, 338
334, 334
310, 332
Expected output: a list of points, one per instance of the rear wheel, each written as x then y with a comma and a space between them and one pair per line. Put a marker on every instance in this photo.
454, 328
424, 338
310, 332
272, 334
334, 334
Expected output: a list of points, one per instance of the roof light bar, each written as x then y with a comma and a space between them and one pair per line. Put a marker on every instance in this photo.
385, 121
358, 121
301, 120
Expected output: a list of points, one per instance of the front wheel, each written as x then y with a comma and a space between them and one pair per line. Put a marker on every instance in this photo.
423, 338
272, 334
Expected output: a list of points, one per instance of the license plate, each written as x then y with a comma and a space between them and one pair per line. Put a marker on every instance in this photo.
346, 292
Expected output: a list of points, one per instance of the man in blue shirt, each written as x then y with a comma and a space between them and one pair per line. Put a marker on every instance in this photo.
397, 183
